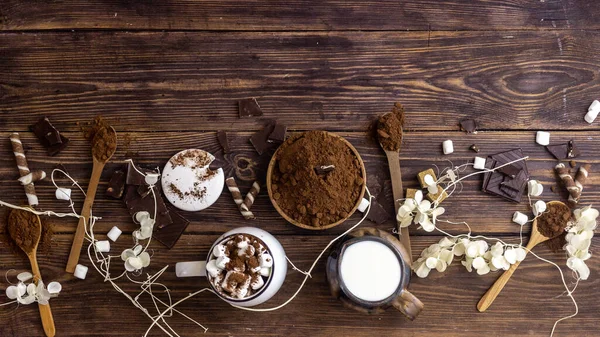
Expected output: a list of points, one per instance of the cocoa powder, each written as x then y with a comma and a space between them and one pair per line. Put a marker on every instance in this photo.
389, 128
310, 198
554, 221
103, 139
24, 229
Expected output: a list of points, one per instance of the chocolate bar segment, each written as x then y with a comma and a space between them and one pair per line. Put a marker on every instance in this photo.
377, 213
116, 185
222, 138
509, 170
278, 134
249, 108
136, 203
48, 135
168, 236
501, 184
468, 125
260, 139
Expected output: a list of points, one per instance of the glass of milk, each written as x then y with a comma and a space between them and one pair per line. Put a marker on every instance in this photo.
369, 272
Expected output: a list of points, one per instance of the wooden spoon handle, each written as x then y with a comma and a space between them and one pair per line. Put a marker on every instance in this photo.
398, 193
45, 312
85, 213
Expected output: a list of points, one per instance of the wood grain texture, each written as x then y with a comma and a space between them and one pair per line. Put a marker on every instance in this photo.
335, 80
299, 15
99, 310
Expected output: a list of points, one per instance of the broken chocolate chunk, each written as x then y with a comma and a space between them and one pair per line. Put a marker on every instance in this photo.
135, 176
260, 139
509, 170
222, 138
136, 203
493, 181
377, 213
324, 169
278, 134
572, 150
169, 235
51, 139
249, 108
144, 190
116, 185
215, 165
564, 151
475, 148
468, 125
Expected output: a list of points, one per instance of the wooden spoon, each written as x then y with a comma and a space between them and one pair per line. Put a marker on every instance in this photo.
104, 146
534, 239
32, 230
393, 158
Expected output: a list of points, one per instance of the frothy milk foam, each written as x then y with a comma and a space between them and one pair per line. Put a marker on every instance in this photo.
370, 270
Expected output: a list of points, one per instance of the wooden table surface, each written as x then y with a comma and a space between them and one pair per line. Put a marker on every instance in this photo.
167, 74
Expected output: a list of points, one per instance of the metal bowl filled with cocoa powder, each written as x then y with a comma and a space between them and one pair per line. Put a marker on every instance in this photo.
316, 180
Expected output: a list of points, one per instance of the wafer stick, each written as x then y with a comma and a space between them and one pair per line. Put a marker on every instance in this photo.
17, 146
566, 178
32, 177
580, 179
237, 197
249, 200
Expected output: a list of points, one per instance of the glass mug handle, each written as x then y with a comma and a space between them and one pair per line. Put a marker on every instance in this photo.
190, 269
408, 304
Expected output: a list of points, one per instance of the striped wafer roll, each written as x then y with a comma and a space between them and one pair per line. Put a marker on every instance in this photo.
32, 177
580, 179
566, 178
17, 146
249, 200
237, 197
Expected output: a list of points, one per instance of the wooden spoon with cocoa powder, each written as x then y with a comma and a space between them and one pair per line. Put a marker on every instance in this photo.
535, 238
389, 133
25, 229
104, 145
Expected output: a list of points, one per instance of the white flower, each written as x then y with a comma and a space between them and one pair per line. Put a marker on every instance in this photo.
146, 225
481, 265
27, 294
419, 211
579, 239
135, 259
579, 267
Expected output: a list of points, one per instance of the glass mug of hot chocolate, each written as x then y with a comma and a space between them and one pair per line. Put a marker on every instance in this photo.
245, 266
369, 272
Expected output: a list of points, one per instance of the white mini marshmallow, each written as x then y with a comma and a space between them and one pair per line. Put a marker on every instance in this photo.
479, 163
542, 138
151, 178
219, 250
103, 246
249, 251
242, 245
534, 188
212, 269
114, 233
265, 271
265, 261
63, 193
428, 179
80, 271
364, 203
257, 283
593, 111
520, 218
539, 207
222, 261
447, 146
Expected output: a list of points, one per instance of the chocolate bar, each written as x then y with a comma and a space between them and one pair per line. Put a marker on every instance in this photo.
136, 203
509, 170
168, 236
116, 185
468, 125
278, 134
51, 139
377, 213
260, 139
493, 181
222, 138
249, 108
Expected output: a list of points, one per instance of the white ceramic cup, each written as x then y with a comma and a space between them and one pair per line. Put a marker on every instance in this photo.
273, 282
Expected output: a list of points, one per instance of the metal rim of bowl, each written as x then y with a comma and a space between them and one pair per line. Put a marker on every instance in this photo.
331, 225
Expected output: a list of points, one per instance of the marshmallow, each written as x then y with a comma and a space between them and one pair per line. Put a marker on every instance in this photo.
249, 251
212, 269
54, 288
219, 250
222, 261
265, 271
428, 179
479, 163
103, 246
519, 218
80, 271
364, 203
63, 193
534, 188
542, 138
236, 289
151, 178
265, 260
242, 245
114, 233
257, 283
593, 111
447, 146
539, 207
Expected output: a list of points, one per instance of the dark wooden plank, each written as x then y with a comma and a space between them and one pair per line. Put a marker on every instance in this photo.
528, 305
300, 15
421, 150
336, 81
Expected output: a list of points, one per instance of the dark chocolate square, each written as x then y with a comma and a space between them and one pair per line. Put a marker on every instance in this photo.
559, 151
168, 236
249, 108
278, 134
260, 139
116, 185
223, 141
377, 213
48, 135
510, 171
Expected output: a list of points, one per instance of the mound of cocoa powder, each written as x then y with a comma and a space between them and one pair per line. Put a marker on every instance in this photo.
309, 197
554, 221
389, 128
